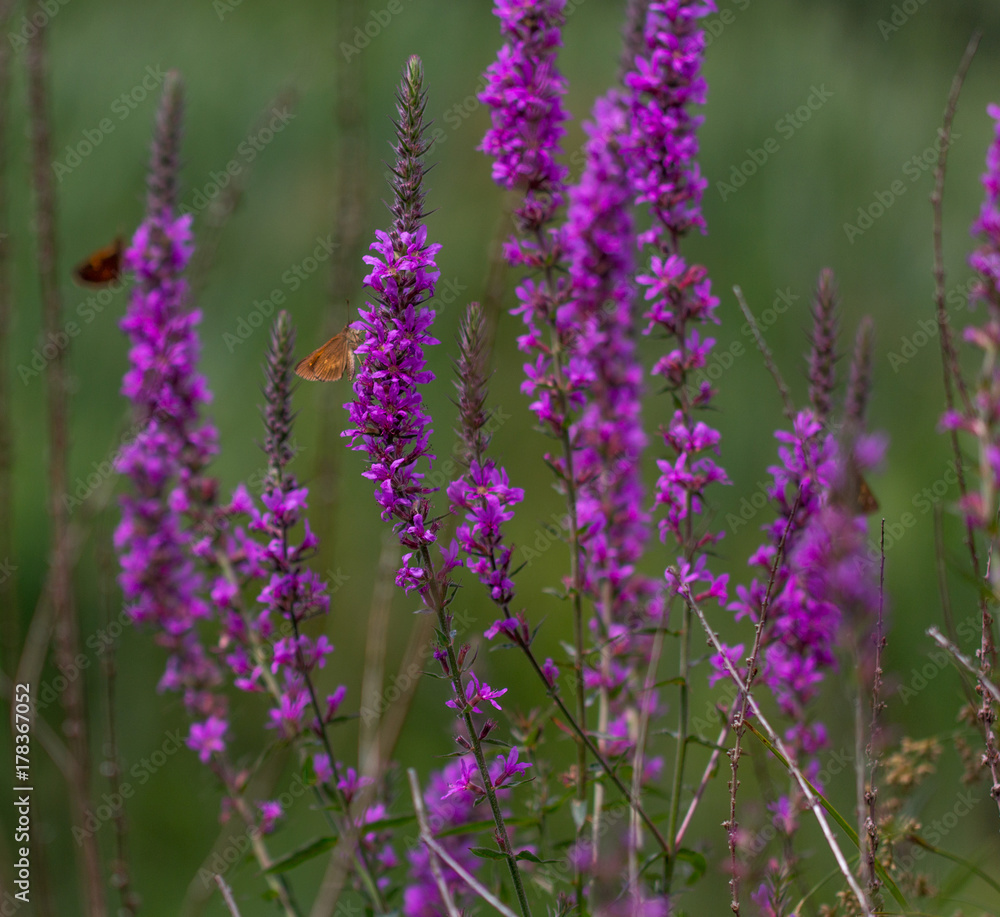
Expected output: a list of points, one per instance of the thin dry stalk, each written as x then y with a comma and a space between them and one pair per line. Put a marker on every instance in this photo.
973, 669
227, 895
425, 836
372, 759
57, 392
807, 791
8, 591
739, 720
953, 378
710, 769
377, 640
768, 357
874, 736
484, 893
111, 767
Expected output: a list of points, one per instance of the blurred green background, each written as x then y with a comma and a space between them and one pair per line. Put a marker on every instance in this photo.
883, 93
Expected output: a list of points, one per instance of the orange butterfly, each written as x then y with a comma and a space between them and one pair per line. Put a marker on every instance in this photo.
331, 361
102, 267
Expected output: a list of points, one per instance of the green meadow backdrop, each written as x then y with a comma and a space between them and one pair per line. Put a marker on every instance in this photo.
819, 148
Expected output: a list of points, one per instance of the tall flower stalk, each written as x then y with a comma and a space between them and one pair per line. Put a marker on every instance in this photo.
162, 538
168, 457
524, 91
981, 420
664, 86
391, 428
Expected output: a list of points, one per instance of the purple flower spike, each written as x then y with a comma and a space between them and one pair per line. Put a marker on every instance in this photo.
388, 421
524, 91
664, 87
166, 459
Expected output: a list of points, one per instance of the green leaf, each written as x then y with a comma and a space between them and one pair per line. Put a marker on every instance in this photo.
532, 858
920, 842
708, 743
303, 855
383, 824
486, 853
698, 863
468, 828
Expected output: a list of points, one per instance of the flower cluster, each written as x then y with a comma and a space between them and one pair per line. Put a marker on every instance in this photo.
981, 417
524, 91
484, 493
166, 459
388, 421
815, 574
268, 648
664, 84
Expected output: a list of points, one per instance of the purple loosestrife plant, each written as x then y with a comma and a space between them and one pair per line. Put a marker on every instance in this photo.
484, 493
392, 429
524, 91
664, 85
171, 522
817, 585
269, 644
389, 423
980, 418
609, 440
166, 460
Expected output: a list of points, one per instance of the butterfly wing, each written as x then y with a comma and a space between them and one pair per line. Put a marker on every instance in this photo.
327, 363
102, 267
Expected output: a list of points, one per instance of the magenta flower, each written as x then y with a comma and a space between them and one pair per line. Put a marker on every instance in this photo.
509, 767
487, 497
207, 738
450, 799
270, 812
477, 691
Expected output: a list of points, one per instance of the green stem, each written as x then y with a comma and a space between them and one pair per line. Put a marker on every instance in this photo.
454, 672
588, 743
682, 728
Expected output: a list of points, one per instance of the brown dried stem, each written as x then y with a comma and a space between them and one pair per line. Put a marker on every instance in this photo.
57, 392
